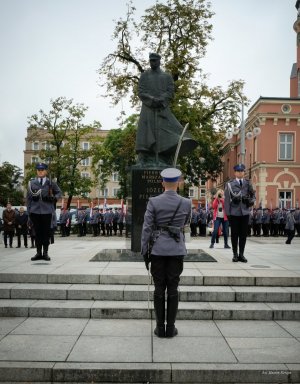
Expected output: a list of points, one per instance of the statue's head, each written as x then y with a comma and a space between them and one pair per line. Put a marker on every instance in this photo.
154, 59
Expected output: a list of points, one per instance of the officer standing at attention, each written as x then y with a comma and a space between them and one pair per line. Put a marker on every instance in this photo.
164, 221
239, 197
41, 196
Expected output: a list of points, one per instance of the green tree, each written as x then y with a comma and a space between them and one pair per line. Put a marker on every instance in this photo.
10, 186
62, 130
116, 154
180, 31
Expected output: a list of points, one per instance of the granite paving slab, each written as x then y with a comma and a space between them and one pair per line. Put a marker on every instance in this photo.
121, 309
285, 311
36, 347
96, 292
248, 328
230, 373
118, 327
27, 372
265, 350
292, 327
112, 372
112, 349
192, 349
5, 290
241, 311
40, 291
8, 324
197, 328
50, 326
61, 308
12, 308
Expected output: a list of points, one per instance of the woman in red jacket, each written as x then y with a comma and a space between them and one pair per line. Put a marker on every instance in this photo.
219, 218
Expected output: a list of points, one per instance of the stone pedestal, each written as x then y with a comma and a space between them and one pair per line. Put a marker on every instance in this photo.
143, 183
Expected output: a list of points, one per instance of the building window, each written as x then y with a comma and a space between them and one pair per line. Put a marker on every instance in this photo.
202, 192
286, 146
115, 176
47, 146
85, 174
34, 160
202, 182
285, 199
191, 192
115, 192
104, 192
85, 162
85, 146
35, 146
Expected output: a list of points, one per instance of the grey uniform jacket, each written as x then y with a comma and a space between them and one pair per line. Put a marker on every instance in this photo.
159, 212
238, 209
290, 222
37, 195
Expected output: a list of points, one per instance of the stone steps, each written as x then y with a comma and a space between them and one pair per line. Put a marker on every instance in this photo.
140, 277
70, 372
121, 292
106, 309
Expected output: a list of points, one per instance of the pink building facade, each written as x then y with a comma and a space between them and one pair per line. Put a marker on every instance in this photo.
272, 158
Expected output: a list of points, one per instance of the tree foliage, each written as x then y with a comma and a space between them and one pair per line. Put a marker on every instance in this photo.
116, 154
179, 31
62, 130
10, 185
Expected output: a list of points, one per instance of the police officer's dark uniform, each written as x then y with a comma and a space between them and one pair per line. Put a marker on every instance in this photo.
164, 221
239, 197
41, 197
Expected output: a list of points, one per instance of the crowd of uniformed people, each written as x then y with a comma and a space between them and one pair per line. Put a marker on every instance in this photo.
16, 222
263, 222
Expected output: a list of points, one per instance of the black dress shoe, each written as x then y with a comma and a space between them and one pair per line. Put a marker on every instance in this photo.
46, 257
160, 331
235, 258
37, 257
227, 246
171, 331
242, 259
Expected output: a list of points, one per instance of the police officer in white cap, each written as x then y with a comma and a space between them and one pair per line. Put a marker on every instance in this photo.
239, 198
163, 231
41, 196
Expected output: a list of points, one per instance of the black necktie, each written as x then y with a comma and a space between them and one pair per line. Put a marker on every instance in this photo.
241, 183
41, 181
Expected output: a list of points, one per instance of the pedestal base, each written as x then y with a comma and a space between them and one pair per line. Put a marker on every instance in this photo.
143, 183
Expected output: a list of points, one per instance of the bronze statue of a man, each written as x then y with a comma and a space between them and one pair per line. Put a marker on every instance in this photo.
158, 131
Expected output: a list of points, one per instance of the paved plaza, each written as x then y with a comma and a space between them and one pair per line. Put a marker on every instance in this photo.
66, 330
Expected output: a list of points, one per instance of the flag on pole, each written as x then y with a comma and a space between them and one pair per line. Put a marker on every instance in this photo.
91, 210
122, 205
78, 205
62, 203
104, 204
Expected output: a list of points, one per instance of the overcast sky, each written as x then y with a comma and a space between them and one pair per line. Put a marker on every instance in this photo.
52, 48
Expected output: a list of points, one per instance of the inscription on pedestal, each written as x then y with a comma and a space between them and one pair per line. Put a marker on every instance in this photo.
145, 183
